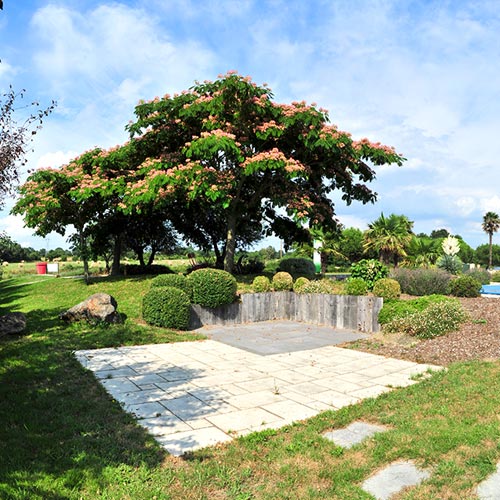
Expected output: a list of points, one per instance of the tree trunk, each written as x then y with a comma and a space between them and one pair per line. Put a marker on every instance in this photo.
117, 251
82, 243
152, 256
490, 261
324, 262
219, 255
230, 244
140, 256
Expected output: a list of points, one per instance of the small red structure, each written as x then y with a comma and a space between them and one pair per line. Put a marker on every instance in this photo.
41, 268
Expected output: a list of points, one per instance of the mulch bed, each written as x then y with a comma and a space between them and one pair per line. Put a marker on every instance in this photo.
479, 338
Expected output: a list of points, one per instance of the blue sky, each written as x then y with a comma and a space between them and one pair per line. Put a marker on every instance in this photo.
422, 76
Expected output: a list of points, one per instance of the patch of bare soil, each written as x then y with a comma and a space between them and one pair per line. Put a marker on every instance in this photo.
479, 338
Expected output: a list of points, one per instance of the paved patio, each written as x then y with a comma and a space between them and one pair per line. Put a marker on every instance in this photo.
194, 394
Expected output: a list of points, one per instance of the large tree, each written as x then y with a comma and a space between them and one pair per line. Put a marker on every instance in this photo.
227, 145
389, 236
18, 124
491, 224
85, 194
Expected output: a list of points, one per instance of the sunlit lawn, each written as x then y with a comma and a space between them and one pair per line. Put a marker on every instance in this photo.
63, 437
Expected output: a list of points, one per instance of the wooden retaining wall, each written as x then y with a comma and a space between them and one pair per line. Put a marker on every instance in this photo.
347, 312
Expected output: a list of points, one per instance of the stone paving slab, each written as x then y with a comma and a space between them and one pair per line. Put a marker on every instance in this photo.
353, 434
394, 478
194, 394
489, 489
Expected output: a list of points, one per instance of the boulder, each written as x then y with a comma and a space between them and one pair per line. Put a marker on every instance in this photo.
98, 307
12, 323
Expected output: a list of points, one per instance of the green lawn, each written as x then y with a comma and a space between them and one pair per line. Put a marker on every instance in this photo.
63, 437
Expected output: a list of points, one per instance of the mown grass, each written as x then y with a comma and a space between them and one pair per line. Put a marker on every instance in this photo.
63, 437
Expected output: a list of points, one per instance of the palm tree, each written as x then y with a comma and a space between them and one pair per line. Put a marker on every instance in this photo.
422, 252
389, 236
491, 224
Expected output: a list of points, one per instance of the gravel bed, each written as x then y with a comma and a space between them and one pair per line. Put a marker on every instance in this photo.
479, 338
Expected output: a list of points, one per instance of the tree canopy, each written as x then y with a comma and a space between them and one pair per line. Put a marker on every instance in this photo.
223, 162
490, 225
389, 236
229, 145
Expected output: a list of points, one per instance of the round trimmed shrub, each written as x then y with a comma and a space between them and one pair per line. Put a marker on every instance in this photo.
300, 284
297, 267
212, 287
282, 281
465, 286
261, 284
387, 288
175, 280
356, 286
166, 306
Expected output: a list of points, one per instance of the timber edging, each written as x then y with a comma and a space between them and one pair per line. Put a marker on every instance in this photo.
346, 312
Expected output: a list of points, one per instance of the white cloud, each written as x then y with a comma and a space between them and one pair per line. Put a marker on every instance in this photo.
491, 204
55, 159
13, 225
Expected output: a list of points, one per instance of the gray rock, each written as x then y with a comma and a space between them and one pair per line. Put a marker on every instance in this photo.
12, 323
98, 307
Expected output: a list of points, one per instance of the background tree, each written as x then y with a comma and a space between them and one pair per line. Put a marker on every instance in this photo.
149, 234
16, 134
423, 251
482, 255
351, 244
491, 224
389, 236
229, 145
48, 203
439, 233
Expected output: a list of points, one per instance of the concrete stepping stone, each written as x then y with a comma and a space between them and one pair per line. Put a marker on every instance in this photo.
489, 489
353, 434
393, 478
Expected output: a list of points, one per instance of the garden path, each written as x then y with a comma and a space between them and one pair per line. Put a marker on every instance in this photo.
195, 394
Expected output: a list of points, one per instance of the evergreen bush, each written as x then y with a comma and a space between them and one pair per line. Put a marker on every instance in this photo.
212, 287
393, 309
370, 270
356, 286
300, 284
175, 280
167, 307
261, 284
495, 276
465, 286
422, 281
282, 281
436, 320
481, 275
387, 288
297, 267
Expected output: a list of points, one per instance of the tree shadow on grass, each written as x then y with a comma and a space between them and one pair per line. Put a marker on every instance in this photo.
10, 292
59, 428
